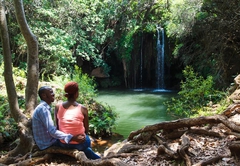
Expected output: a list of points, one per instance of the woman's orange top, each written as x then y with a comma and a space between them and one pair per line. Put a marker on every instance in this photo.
71, 120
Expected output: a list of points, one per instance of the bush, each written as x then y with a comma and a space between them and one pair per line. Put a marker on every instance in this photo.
86, 84
8, 127
195, 93
101, 119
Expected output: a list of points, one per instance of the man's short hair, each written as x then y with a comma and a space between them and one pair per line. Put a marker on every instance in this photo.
42, 90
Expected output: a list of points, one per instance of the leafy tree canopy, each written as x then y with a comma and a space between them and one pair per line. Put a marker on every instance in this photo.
201, 33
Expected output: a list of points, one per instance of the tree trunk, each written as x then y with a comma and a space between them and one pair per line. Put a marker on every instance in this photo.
10, 86
26, 139
32, 59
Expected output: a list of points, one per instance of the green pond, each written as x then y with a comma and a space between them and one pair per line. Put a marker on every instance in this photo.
136, 108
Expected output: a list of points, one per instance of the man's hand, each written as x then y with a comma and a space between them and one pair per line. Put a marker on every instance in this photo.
79, 138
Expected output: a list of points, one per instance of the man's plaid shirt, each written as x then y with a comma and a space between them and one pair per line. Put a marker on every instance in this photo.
44, 131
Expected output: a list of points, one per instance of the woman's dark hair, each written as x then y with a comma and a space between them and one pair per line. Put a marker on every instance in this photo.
71, 88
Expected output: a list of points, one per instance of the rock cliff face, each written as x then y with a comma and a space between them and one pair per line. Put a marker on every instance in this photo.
235, 90
141, 67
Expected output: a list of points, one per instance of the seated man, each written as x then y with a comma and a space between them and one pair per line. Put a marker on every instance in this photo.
44, 132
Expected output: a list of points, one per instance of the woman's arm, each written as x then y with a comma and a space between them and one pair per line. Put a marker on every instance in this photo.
55, 115
85, 121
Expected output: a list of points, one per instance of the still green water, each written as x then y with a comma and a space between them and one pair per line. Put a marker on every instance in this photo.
136, 109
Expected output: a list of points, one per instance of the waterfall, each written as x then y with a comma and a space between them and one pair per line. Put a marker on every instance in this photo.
141, 64
160, 59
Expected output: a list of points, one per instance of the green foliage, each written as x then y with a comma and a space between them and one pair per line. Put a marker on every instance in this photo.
176, 49
89, 30
8, 126
65, 30
125, 45
17, 72
93, 30
54, 46
182, 17
102, 120
209, 111
201, 15
206, 48
86, 84
195, 93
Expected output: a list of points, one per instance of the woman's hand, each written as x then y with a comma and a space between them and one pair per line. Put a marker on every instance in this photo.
80, 138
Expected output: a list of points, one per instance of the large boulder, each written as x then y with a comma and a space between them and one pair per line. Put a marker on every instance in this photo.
99, 73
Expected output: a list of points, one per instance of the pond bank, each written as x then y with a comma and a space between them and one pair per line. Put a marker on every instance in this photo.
136, 109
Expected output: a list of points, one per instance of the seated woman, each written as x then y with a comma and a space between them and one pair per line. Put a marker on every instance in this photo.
72, 117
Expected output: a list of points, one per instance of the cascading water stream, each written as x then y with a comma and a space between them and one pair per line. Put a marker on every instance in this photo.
141, 64
160, 58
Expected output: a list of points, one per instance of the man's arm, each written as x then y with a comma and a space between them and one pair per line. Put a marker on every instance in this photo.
48, 123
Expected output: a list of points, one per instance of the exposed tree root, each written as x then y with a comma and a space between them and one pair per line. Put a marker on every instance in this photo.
205, 132
159, 139
232, 110
188, 122
235, 147
203, 126
131, 147
237, 135
163, 149
177, 134
123, 155
184, 148
34, 161
209, 161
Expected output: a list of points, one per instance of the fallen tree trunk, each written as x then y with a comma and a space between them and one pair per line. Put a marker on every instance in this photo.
187, 122
78, 155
